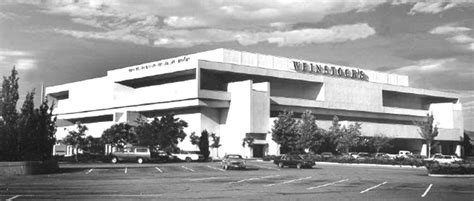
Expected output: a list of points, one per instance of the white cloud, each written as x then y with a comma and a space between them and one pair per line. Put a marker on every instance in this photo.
462, 38
20, 59
427, 65
431, 7
457, 35
245, 21
183, 22
449, 29
186, 38
25, 64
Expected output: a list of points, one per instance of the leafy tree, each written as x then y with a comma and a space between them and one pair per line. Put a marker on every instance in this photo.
342, 138
119, 135
77, 138
45, 130
329, 142
428, 131
9, 98
466, 143
165, 132
215, 143
28, 134
284, 132
349, 137
311, 136
194, 139
204, 144
248, 141
27, 124
380, 141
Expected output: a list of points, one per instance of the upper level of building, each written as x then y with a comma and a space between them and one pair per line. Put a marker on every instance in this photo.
206, 75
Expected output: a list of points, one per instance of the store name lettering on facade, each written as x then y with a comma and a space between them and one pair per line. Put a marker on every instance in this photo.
158, 64
327, 70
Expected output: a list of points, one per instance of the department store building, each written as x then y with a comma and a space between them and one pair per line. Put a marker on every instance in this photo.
239, 94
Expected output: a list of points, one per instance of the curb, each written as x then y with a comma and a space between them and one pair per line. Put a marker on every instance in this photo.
452, 175
366, 165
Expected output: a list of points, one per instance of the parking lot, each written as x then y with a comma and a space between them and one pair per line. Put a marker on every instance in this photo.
262, 180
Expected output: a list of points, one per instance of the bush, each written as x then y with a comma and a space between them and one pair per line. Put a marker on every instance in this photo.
385, 161
454, 168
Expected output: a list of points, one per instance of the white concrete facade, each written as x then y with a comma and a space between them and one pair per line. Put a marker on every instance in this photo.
237, 94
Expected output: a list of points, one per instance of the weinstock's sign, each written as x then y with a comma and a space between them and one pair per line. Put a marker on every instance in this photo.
158, 64
330, 70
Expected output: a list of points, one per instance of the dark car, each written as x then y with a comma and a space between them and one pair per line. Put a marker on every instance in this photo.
162, 156
138, 154
294, 161
327, 155
233, 161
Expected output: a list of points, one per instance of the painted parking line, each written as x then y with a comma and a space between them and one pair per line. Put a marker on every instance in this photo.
206, 178
427, 190
328, 184
216, 168
287, 182
88, 172
376, 186
126, 170
12, 198
255, 178
159, 170
189, 169
260, 166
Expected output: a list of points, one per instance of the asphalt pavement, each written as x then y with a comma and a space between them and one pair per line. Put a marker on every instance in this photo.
208, 181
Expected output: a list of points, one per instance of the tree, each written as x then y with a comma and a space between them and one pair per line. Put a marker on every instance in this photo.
311, 136
77, 138
466, 143
194, 139
380, 141
247, 141
45, 130
164, 132
27, 124
284, 132
349, 137
215, 143
204, 144
118, 135
428, 131
329, 142
9, 99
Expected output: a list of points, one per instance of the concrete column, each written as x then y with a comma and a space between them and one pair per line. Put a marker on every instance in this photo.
458, 150
424, 150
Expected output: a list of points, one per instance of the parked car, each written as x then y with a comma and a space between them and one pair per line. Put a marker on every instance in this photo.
294, 161
382, 156
361, 156
188, 156
163, 156
404, 154
444, 158
327, 155
233, 161
138, 154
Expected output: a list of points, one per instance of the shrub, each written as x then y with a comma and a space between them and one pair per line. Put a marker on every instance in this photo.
454, 168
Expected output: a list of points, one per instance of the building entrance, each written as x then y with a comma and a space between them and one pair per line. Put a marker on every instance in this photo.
258, 150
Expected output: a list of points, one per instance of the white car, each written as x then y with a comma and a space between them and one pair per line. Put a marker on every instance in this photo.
444, 158
188, 156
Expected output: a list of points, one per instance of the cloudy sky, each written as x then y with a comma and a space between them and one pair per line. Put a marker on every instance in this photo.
60, 41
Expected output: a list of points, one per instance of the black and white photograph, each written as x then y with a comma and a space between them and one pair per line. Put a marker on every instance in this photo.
237, 100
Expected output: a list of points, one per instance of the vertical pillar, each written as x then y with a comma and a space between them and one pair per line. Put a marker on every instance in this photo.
458, 150
424, 150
